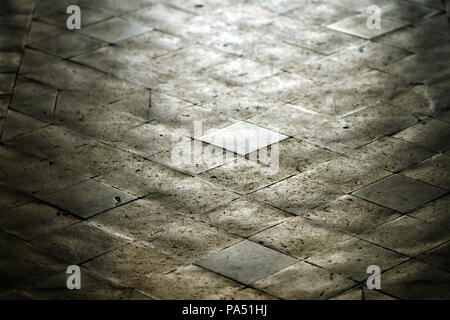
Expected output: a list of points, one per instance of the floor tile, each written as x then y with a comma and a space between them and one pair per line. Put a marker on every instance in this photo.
438, 256
303, 281
357, 26
351, 214
68, 45
188, 240
246, 262
416, 280
17, 124
33, 220
139, 219
299, 237
421, 236
141, 178
434, 171
120, 265
344, 174
296, 195
195, 283
433, 134
114, 30
243, 138
391, 154
244, 217
400, 193
88, 198
352, 257
436, 212
80, 242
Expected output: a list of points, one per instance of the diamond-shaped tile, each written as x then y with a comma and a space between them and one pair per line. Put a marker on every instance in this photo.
80, 242
435, 171
246, 262
408, 235
416, 280
242, 138
303, 281
400, 193
114, 30
357, 26
34, 219
88, 198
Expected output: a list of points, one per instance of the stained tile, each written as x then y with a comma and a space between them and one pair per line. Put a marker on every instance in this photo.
68, 45
438, 256
434, 171
80, 242
296, 194
436, 212
351, 214
303, 281
300, 238
33, 220
114, 30
433, 134
357, 26
88, 198
420, 236
246, 262
391, 154
17, 124
417, 280
244, 217
352, 257
188, 240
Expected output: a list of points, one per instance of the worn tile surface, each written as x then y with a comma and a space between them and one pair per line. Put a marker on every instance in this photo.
224, 149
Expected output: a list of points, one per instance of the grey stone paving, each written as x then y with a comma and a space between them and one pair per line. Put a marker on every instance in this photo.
234, 149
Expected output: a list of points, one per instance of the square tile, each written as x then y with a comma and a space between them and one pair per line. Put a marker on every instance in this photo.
114, 30
196, 283
400, 193
435, 171
245, 176
351, 214
352, 257
68, 45
192, 196
296, 194
6, 82
433, 134
242, 138
439, 256
135, 265
80, 242
88, 198
33, 220
436, 212
415, 280
303, 281
24, 265
391, 154
345, 174
246, 262
245, 217
138, 219
141, 178
300, 238
193, 157
357, 26
12, 198
188, 240
17, 124
241, 72
407, 235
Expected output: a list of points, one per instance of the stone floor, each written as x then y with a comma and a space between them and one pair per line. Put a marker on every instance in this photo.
90, 119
